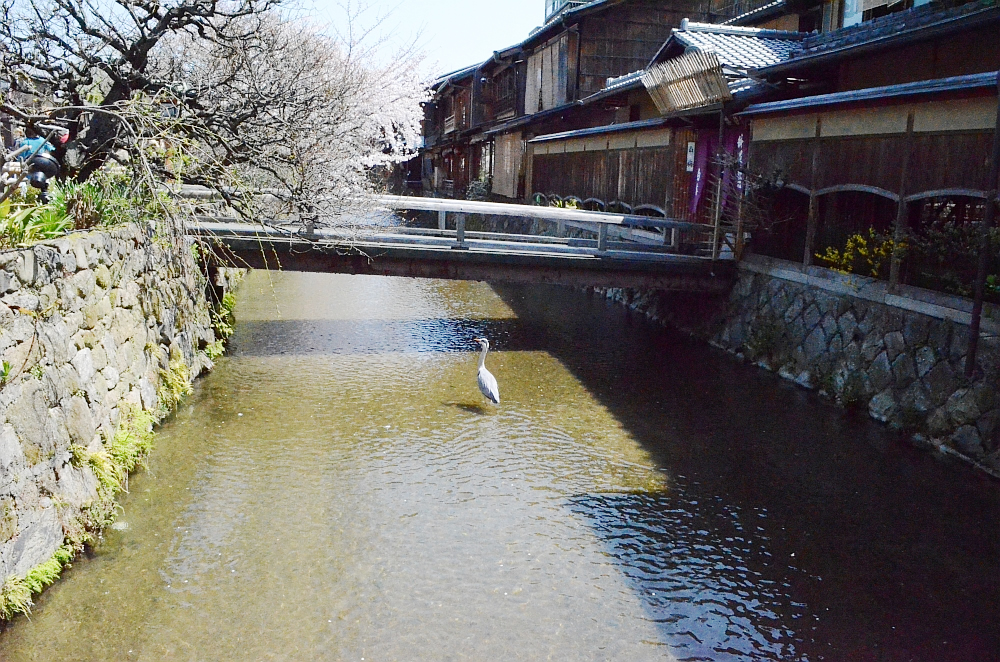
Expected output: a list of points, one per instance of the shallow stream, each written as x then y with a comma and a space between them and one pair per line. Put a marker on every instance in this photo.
338, 489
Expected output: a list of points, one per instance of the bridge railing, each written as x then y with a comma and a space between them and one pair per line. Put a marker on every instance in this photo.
673, 235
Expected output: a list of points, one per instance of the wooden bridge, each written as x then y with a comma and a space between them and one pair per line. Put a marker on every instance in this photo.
609, 250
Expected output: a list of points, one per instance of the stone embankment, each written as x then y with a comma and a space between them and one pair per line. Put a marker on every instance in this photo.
899, 355
98, 332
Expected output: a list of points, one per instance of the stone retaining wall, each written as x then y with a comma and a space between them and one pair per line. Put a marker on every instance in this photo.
900, 355
87, 322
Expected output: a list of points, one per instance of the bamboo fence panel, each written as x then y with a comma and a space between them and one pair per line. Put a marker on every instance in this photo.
692, 80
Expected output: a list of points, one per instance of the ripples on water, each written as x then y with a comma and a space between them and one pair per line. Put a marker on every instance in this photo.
338, 489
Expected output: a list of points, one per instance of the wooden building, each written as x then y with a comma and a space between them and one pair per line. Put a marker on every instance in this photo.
888, 127
655, 156
538, 87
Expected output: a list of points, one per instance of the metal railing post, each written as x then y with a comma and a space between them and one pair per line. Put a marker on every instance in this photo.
460, 233
602, 237
442, 218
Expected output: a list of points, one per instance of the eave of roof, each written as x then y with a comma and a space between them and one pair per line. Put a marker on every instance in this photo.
760, 13
921, 88
534, 117
894, 39
620, 88
562, 21
599, 130
456, 75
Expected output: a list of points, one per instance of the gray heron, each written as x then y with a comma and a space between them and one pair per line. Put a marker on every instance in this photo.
487, 382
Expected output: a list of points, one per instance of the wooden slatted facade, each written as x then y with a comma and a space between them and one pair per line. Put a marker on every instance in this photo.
941, 157
624, 40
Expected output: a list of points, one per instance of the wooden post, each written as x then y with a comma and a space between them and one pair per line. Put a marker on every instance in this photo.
899, 231
811, 220
717, 212
442, 218
602, 237
460, 233
984, 253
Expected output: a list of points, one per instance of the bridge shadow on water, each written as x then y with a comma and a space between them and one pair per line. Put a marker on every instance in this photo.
790, 530
305, 337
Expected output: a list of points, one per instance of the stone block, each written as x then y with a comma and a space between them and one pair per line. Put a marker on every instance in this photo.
811, 317
915, 399
986, 396
814, 345
895, 344
8, 282
883, 406
38, 542
66, 380
938, 422
941, 382
852, 357
111, 376
76, 486
959, 342
967, 441
903, 370
835, 346
827, 303
925, 360
94, 313
8, 519
794, 310
85, 339
962, 407
147, 393
99, 357
79, 422
915, 330
880, 372
22, 301
83, 283
988, 426
872, 346
83, 361
27, 269
939, 336
30, 412
829, 325
96, 388
11, 455
848, 326
873, 322
54, 338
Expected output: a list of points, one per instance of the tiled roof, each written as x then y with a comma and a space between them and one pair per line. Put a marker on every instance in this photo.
624, 81
740, 48
936, 20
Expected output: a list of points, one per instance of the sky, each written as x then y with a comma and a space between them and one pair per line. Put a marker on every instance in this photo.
452, 33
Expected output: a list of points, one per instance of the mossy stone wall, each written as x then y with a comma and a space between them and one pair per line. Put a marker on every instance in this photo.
91, 325
899, 355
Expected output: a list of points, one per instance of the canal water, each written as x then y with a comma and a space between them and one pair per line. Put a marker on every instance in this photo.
338, 489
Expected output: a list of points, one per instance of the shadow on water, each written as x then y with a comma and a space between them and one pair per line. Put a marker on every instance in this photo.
469, 407
363, 336
791, 530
